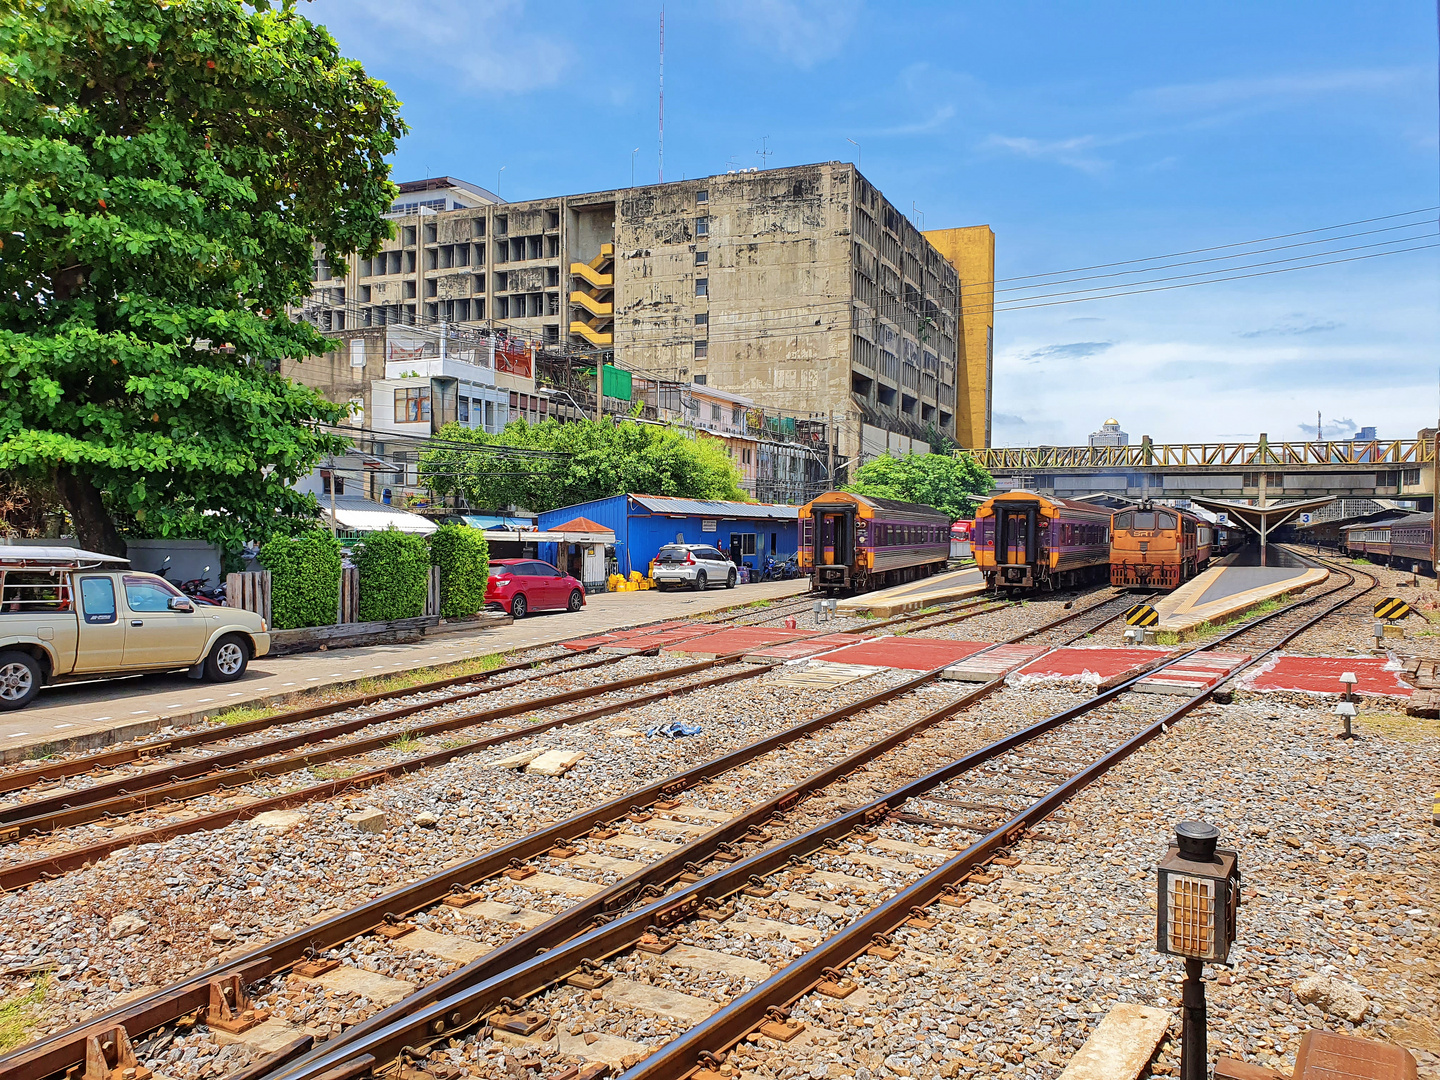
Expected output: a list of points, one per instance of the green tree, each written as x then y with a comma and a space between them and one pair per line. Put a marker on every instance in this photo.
950, 484
167, 168
594, 460
463, 557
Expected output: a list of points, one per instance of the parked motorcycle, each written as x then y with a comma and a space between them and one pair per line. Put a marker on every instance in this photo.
200, 592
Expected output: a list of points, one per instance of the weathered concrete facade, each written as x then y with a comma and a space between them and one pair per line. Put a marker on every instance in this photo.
800, 288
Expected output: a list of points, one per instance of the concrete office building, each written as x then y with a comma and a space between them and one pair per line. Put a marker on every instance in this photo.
802, 289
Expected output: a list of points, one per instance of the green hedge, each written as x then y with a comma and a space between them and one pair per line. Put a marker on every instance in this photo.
463, 557
394, 575
304, 579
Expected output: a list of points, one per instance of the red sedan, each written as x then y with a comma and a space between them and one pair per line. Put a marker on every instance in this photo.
518, 586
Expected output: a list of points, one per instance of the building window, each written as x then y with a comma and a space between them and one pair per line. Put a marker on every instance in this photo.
326, 483
412, 405
702, 196
715, 413
737, 416
702, 258
464, 410
702, 286
702, 349
700, 380
702, 226
702, 319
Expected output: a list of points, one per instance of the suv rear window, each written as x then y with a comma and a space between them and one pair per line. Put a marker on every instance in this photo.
671, 553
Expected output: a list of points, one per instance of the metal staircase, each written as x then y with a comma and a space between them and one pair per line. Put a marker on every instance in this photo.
594, 295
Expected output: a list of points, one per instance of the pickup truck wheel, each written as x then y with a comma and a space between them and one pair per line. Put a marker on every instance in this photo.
228, 659
20, 679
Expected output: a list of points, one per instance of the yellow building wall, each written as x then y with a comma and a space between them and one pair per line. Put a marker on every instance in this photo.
971, 251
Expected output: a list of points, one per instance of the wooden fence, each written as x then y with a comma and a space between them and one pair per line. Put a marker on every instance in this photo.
250, 591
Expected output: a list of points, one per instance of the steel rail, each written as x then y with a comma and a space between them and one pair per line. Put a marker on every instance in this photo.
27, 873
62, 1050
410, 1025
59, 770
64, 807
715, 1035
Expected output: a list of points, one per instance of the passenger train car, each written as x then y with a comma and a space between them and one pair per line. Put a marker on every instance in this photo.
1403, 541
1025, 540
1158, 547
859, 542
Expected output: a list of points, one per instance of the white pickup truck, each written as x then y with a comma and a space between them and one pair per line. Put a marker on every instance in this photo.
68, 615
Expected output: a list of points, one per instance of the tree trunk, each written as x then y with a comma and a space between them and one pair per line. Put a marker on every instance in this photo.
93, 527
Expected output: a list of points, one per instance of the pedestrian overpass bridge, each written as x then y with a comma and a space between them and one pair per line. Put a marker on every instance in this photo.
1263, 470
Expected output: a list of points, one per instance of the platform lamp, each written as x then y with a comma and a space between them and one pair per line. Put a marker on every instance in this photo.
1199, 896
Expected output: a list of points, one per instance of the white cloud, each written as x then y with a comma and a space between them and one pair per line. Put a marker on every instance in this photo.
481, 41
1077, 153
805, 32
1273, 89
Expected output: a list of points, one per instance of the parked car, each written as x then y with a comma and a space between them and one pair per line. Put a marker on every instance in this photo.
68, 615
520, 586
695, 565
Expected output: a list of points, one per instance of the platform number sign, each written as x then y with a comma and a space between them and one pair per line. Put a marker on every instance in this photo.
1392, 608
1142, 615
1305, 519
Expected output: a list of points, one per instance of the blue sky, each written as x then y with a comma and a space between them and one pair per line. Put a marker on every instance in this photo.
1083, 133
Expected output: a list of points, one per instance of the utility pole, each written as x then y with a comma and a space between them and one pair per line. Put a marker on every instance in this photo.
830, 441
1435, 510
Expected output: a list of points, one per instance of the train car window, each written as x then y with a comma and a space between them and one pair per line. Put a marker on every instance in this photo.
1125, 521
1167, 521
1144, 519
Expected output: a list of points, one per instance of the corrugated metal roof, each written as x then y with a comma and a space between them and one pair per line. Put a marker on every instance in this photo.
715, 508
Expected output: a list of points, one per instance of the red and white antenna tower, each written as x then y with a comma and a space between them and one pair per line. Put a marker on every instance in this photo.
662, 94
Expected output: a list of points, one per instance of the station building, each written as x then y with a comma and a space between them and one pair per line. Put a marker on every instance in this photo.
643, 524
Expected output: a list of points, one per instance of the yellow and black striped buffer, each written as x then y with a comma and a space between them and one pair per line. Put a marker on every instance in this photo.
1142, 615
1392, 608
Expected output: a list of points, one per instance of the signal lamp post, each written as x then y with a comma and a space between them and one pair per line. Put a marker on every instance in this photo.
1199, 896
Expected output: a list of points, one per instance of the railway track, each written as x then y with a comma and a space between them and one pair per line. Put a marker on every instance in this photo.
641, 963
718, 841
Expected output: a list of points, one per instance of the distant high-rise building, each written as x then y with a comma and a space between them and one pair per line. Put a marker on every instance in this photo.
1365, 434
1110, 435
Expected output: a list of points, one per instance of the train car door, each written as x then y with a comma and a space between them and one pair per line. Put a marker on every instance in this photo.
1015, 533
834, 543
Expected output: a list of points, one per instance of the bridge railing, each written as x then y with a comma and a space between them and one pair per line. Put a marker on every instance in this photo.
1179, 455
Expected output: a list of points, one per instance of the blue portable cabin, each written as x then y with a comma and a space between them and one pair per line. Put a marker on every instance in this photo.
643, 524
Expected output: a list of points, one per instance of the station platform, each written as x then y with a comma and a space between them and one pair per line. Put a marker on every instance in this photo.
914, 595
1232, 586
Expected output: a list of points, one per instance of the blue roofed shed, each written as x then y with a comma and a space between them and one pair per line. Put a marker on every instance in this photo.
643, 524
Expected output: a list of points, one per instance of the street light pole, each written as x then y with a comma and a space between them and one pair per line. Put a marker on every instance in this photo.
632, 165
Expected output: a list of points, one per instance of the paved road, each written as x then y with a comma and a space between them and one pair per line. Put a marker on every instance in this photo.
101, 712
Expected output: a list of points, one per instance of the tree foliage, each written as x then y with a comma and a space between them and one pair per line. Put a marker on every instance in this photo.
394, 575
949, 484
166, 169
463, 557
304, 579
601, 458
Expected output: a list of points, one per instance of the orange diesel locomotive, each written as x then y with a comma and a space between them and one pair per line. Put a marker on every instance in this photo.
1157, 547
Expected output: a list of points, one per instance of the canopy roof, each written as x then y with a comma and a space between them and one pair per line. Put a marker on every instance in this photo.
363, 515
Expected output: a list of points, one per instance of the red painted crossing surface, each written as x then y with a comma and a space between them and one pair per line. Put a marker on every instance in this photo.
1107, 667
998, 661
1321, 675
611, 636
734, 639
798, 650
1200, 672
912, 654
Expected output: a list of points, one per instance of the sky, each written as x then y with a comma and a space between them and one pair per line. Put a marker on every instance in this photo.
1082, 133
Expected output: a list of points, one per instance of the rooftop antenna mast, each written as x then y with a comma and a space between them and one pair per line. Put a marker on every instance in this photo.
662, 94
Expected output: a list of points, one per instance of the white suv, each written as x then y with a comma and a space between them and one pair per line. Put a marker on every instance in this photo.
696, 565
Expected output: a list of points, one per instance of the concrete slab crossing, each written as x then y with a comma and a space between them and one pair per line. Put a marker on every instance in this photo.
911, 654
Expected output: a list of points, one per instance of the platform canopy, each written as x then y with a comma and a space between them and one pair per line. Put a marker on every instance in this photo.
1264, 519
